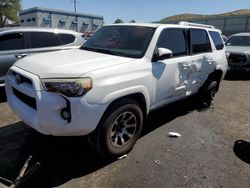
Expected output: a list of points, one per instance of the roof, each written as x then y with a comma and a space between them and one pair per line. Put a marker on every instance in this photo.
136, 24
35, 29
155, 25
48, 10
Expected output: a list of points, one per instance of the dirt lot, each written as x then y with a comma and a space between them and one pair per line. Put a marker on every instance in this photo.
212, 152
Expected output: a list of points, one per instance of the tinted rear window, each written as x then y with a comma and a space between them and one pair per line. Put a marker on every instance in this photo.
43, 39
66, 38
13, 41
219, 44
199, 41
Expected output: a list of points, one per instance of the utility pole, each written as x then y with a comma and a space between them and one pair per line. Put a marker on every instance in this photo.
75, 4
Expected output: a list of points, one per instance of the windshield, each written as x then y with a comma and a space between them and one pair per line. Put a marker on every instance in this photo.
127, 41
238, 41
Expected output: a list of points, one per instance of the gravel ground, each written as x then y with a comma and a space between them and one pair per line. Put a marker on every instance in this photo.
212, 152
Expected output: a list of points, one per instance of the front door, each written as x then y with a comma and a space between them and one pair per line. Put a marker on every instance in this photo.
171, 74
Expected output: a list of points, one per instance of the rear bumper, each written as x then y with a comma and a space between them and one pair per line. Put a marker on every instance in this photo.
46, 116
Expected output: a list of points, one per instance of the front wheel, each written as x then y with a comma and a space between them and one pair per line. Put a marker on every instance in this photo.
118, 130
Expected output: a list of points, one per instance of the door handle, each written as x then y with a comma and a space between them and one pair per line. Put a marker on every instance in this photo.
210, 62
186, 66
20, 56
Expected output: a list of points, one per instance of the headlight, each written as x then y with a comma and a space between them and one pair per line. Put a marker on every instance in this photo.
68, 87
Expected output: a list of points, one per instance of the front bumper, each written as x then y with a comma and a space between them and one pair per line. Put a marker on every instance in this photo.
236, 67
238, 62
41, 110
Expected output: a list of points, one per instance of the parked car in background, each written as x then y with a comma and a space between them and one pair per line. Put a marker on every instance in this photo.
16, 43
238, 50
107, 88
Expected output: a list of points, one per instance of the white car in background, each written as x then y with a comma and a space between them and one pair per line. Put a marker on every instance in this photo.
107, 88
19, 42
238, 50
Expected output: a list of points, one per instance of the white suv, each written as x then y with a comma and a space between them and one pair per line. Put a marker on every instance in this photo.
107, 88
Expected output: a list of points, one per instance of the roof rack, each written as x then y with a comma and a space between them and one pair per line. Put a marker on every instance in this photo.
196, 24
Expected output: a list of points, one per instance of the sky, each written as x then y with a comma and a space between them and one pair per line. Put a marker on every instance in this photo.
141, 10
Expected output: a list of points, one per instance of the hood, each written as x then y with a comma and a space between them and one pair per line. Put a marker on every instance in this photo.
238, 49
68, 63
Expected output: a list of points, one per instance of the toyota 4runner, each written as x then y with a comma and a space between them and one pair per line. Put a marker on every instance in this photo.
106, 88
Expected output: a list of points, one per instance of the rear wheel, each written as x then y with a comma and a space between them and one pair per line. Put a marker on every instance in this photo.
118, 130
208, 91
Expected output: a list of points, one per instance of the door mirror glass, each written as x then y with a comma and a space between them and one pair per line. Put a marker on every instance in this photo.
164, 53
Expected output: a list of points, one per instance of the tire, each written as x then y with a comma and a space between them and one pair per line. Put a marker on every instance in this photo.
208, 91
118, 130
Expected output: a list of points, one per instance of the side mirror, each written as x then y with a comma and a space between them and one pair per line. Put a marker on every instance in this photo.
164, 53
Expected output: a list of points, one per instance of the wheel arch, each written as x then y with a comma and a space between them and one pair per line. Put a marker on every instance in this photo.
217, 75
137, 97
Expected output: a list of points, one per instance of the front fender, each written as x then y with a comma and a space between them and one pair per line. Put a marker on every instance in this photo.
128, 91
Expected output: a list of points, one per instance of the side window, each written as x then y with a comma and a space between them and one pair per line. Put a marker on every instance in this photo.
13, 41
174, 40
67, 38
199, 41
43, 39
219, 44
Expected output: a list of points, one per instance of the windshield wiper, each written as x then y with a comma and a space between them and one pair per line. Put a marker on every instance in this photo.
106, 51
89, 49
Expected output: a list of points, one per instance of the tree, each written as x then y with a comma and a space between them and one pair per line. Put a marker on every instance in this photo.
9, 9
118, 20
132, 21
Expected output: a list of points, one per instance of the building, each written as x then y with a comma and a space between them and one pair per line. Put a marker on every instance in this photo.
43, 17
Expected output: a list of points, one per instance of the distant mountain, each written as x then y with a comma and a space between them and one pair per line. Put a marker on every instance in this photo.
181, 17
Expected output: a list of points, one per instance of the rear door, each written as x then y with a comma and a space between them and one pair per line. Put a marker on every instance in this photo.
170, 74
202, 58
43, 42
12, 47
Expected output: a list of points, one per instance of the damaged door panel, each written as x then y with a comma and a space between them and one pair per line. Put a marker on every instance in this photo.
172, 84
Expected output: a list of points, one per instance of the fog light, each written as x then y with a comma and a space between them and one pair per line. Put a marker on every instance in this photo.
65, 113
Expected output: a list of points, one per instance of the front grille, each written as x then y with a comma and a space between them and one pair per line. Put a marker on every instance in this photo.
30, 101
21, 79
237, 58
